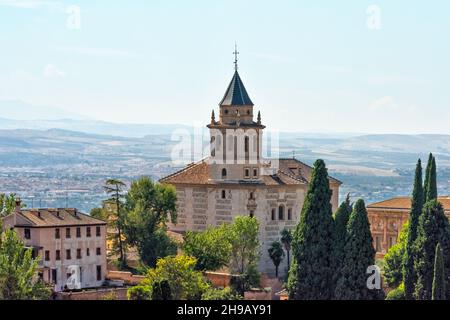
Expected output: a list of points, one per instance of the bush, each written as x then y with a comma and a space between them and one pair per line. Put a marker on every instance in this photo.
139, 293
397, 294
220, 294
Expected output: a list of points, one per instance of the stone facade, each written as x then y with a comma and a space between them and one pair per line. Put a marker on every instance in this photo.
237, 180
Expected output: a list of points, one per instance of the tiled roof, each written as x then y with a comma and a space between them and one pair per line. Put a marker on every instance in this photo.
404, 203
236, 95
198, 173
57, 217
289, 165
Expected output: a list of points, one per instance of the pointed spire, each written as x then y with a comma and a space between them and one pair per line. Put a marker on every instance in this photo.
259, 117
213, 118
236, 95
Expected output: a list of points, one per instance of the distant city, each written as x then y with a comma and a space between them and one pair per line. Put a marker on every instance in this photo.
65, 168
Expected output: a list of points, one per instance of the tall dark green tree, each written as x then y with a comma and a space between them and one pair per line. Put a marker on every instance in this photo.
427, 177
341, 218
311, 272
359, 254
409, 275
431, 190
433, 228
438, 292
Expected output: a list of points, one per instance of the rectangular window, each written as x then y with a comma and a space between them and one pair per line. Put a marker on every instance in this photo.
255, 172
247, 173
78, 232
88, 252
378, 243
58, 255
68, 254
99, 251
67, 233
47, 255
99, 273
57, 235
27, 233
88, 232
97, 231
54, 275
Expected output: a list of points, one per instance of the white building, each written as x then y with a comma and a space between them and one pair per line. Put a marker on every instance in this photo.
71, 245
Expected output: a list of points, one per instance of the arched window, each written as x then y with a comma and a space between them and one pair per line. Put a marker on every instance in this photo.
273, 215
224, 194
251, 196
280, 213
224, 173
289, 214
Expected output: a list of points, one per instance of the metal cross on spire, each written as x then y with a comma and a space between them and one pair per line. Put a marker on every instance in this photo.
235, 57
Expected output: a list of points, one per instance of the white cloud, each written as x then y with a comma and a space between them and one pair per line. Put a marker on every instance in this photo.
52, 71
384, 103
100, 52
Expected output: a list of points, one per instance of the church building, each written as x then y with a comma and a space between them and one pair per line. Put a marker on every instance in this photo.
236, 179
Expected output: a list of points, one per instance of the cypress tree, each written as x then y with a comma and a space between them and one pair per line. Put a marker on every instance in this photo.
359, 254
432, 182
438, 292
409, 276
427, 177
311, 272
433, 228
341, 218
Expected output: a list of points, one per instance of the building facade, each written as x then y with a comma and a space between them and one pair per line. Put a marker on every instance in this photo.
387, 219
236, 179
71, 245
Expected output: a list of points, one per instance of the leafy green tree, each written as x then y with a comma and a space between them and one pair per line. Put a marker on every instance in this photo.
286, 240
409, 275
394, 259
244, 232
311, 272
438, 291
341, 218
432, 182
211, 248
99, 213
7, 204
359, 254
276, 254
115, 189
149, 206
18, 271
179, 274
433, 228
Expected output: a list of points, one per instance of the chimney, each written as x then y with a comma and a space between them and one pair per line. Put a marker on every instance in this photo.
18, 205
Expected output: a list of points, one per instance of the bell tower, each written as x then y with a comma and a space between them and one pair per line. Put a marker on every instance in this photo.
236, 139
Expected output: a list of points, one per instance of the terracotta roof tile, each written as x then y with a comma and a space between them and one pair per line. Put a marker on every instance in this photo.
58, 217
404, 203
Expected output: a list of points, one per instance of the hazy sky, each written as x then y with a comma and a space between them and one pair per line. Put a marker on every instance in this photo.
321, 66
